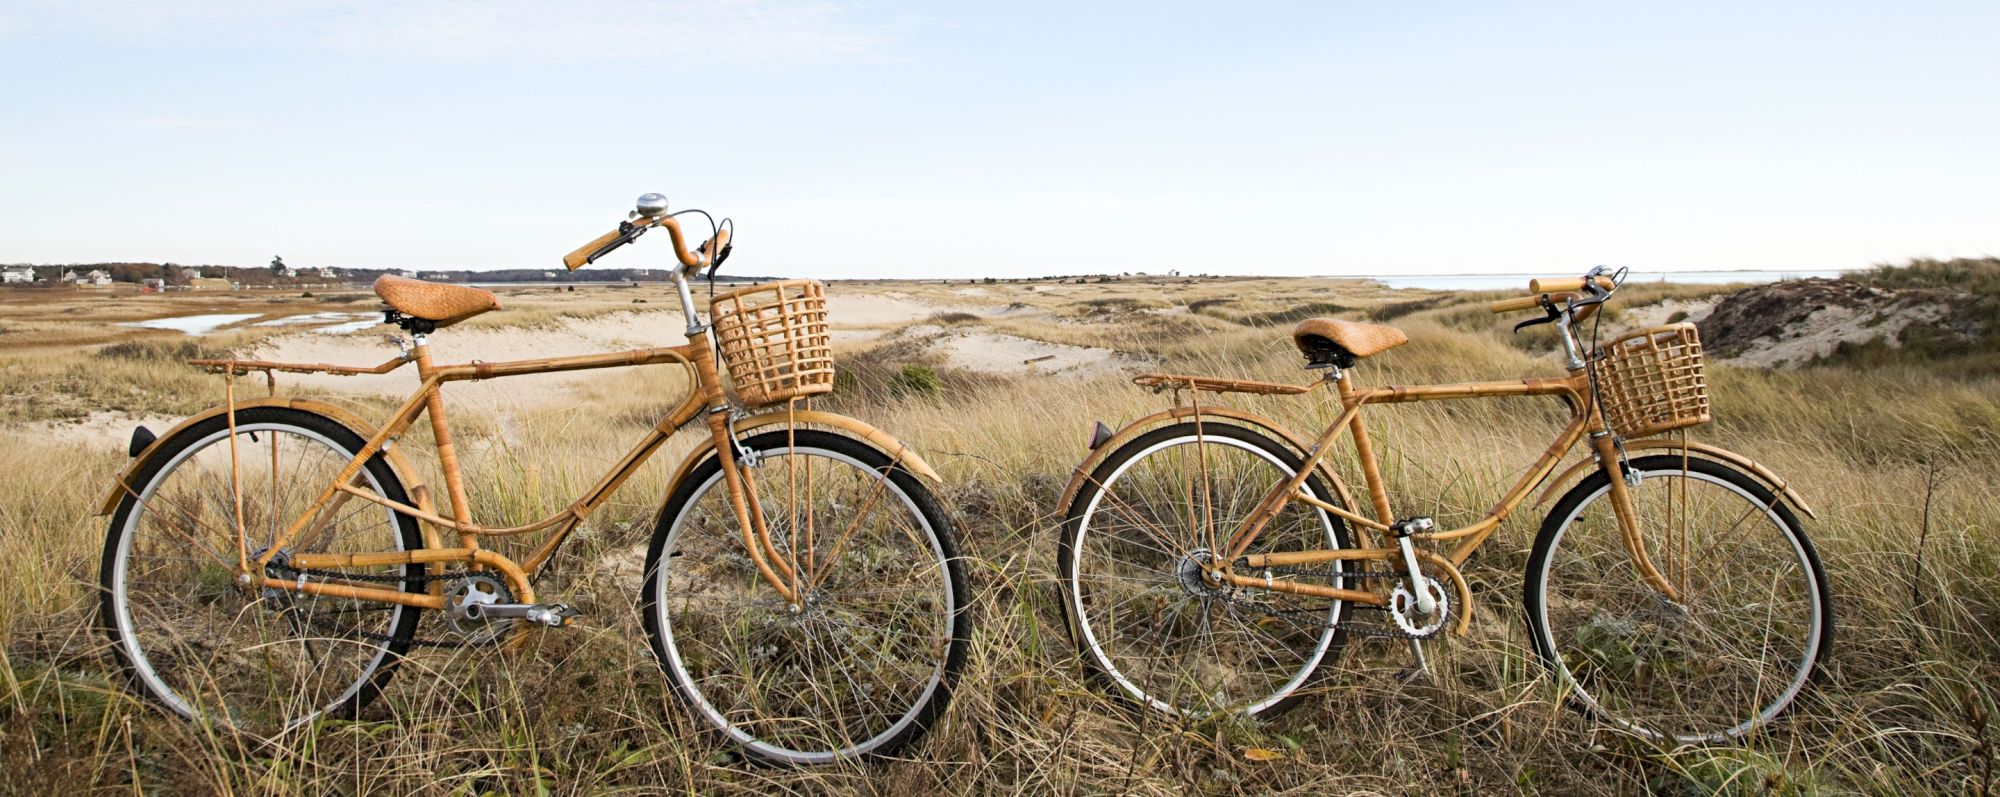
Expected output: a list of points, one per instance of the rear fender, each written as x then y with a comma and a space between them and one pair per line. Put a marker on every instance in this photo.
1146, 424
409, 476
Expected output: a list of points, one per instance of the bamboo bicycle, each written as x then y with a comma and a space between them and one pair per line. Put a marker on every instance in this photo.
1209, 568
268, 560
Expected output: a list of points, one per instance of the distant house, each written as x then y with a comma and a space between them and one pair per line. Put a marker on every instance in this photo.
97, 276
548, 275
405, 273
70, 277
326, 273
152, 285
210, 284
20, 274
437, 276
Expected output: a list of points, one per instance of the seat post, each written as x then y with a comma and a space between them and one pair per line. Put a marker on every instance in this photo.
1371, 470
454, 483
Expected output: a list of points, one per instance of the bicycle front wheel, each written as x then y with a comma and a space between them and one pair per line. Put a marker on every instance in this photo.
1749, 623
866, 660
260, 661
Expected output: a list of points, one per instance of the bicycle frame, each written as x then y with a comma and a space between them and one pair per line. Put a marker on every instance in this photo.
706, 396
1584, 422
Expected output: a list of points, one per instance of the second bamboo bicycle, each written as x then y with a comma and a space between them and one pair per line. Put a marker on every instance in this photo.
1209, 565
269, 560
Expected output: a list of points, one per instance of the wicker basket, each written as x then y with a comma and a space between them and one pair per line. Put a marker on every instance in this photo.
774, 340
1651, 381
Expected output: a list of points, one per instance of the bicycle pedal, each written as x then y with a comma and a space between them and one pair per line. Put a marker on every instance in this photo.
553, 615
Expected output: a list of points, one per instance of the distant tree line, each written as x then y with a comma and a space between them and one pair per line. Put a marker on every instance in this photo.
274, 277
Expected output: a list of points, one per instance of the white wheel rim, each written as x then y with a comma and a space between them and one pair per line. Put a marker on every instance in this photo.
1090, 635
1806, 662
708, 710
127, 632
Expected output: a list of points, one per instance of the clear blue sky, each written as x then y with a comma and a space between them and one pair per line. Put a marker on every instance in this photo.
984, 139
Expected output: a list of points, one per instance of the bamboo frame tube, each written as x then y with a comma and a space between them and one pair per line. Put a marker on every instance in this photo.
1364, 450
1628, 520
401, 422
1081, 473
524, 590
350, 592
1314, 590
246, 366
1274, 501
1307, 497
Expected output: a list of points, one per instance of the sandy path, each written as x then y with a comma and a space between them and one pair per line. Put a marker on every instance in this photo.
605, 333
853, 317
1006, 354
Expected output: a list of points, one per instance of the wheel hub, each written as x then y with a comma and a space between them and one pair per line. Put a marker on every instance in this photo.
1192, 571
280, 567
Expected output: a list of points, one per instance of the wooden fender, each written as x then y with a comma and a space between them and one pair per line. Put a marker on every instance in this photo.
896, 449
1754, 468
409, 476
1141, 426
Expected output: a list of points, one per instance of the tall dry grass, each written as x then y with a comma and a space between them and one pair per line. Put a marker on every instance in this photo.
1900, 464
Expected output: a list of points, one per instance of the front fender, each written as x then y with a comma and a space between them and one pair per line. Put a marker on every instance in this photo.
896, 449
409, 476
1753, 467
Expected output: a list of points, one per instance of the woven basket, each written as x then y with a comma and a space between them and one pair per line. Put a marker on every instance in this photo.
774, 340
1651, 381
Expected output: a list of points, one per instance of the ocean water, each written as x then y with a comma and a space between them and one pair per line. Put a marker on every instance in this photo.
1498, 282
194, 324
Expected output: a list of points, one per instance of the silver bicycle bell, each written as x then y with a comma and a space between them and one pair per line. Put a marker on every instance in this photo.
652, 205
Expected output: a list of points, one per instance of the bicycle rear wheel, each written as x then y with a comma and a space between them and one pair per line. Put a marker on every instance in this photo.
1147, 622
861, 666
258, 661
1752, 621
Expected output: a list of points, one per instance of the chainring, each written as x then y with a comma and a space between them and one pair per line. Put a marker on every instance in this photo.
476, 588
1403, 609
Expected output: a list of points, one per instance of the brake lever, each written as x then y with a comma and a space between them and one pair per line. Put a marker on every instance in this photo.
1552, 314
720, 256
627, 233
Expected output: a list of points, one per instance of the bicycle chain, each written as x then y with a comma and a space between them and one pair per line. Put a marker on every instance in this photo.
1362, 629
357, 633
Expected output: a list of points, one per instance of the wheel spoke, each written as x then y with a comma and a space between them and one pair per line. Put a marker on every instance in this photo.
1153, 623
1711, 666
259, 661
854, 667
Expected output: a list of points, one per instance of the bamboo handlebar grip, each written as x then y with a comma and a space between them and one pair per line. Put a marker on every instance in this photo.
714, 245
1529, 302
1568, 284
575, 260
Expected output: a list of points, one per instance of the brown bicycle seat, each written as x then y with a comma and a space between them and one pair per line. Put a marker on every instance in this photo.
1328, 339
436, 302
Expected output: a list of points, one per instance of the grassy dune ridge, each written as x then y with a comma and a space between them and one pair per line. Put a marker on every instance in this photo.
1889, 455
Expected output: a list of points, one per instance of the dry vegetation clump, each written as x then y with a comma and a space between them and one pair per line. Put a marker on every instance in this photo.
1901, 464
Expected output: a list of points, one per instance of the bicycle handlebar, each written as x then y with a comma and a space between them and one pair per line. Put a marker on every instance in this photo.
1566, 285
630, 230
1529, 302
710, 247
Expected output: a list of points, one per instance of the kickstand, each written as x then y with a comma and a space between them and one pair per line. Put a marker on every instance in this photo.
1421, 669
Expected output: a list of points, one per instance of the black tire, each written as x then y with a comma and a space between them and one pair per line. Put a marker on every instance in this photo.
1330, 532
1633, 625
122, 627
776, 740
